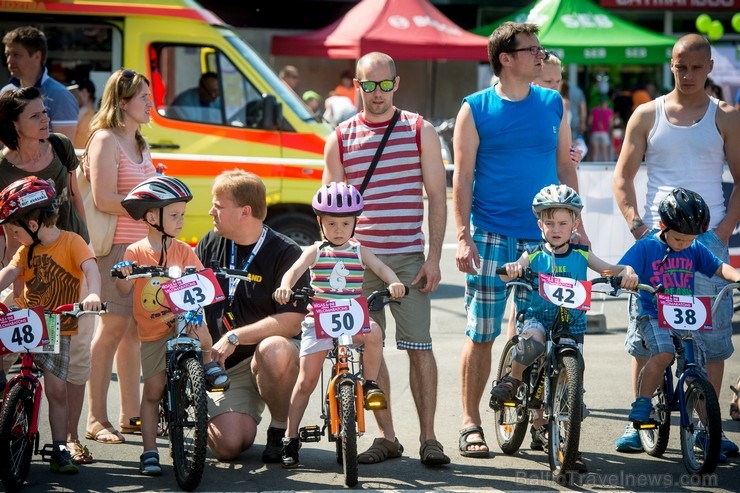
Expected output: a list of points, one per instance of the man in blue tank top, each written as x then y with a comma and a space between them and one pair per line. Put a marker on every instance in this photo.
686, 138
510, 141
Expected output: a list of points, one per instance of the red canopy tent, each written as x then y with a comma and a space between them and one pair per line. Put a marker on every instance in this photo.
404, 29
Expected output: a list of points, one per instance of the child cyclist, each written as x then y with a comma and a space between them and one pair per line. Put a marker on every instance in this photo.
670, 257
51, 262
337, 267
160, 202
557, 208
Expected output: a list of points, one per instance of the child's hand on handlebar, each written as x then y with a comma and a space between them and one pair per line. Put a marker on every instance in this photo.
397, 289
92, 303
514, 269
282, 295
125, 268
629, 278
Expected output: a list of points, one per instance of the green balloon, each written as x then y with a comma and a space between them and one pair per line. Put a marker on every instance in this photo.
716, 30
736, 22
703, 21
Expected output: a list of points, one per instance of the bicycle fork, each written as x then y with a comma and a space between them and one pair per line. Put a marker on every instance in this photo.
343, 376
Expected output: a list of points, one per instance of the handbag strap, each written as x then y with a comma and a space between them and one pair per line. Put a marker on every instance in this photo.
376, 158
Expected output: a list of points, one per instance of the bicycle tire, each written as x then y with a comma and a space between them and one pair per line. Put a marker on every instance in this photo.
511, 422
564, 427
188, 432
655, 441
348, 433
701, 400
16, 446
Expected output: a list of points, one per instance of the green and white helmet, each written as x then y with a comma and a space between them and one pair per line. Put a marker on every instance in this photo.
557, 197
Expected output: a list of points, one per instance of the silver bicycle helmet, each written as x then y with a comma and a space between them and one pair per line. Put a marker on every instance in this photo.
557, 196
155, 193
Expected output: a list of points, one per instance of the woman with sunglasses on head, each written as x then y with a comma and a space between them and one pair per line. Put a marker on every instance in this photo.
117, 159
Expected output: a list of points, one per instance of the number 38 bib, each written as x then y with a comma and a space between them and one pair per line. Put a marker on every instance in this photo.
684, 312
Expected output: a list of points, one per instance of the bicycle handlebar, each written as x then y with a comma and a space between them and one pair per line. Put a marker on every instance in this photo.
722, 293
529, 276
70, 310
375, 301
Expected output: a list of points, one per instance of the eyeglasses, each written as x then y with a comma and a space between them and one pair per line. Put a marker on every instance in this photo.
533, 50
370, 85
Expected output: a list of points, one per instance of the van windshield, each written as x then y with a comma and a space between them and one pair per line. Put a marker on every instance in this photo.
276, 85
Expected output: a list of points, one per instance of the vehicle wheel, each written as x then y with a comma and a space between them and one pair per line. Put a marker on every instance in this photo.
16, 447
701, 440
301, 228
511, 422
655, 440
565, 421
348, 433
189, 430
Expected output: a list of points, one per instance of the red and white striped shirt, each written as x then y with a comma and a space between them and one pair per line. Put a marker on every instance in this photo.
394, 206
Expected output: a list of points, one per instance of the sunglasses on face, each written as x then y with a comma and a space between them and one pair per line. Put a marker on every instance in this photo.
370, 85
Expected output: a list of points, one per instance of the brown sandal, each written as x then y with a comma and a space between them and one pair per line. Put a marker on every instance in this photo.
380, 450
80, 453
734, 410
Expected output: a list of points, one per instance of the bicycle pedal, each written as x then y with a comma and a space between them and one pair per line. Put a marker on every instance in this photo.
135, 421
310, 433
46, 452
650, 425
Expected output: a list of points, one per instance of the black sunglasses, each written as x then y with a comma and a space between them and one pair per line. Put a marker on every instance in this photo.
370, 85
128, 74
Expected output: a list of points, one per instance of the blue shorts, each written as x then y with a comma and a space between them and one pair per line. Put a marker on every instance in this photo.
485, 292
718, 341
659, 340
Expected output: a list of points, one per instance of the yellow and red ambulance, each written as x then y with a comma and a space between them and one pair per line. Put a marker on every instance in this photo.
255, 122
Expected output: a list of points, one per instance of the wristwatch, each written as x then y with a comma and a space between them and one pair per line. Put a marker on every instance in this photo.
233, 339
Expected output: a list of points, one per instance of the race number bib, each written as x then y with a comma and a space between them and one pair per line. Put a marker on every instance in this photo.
684, 312
23, 330
192, 291
566, 292
336, 317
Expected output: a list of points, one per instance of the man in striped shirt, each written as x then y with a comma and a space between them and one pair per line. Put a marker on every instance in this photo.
391, 226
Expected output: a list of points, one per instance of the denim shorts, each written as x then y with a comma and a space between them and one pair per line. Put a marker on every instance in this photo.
485, 292
659, 340
718, 341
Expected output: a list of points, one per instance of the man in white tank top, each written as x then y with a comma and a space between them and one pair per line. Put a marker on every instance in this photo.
686, 138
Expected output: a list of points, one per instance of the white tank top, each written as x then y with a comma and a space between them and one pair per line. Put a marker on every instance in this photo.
690, 156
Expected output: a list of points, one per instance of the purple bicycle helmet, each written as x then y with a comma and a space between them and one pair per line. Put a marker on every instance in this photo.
337, 199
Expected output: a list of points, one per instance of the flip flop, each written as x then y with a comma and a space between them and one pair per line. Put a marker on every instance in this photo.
105, 429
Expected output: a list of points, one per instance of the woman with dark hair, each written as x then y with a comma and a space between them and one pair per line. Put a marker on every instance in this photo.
116, 160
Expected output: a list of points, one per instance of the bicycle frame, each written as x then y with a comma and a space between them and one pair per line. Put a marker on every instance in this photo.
341, 374
30, 377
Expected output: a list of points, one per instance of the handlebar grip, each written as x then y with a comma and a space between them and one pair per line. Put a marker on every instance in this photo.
500, 271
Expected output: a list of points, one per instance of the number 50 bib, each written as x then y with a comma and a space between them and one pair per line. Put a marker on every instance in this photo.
336, 317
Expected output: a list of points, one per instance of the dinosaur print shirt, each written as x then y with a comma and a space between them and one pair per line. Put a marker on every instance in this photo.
338, 273
53, 276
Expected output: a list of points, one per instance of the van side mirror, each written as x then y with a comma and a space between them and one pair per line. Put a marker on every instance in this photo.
272, 115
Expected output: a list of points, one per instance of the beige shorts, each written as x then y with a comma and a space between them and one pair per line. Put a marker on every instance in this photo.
117, 304
153, 355
242, 396
79, 346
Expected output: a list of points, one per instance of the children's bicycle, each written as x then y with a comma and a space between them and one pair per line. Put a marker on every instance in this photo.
693, 397
342, 409
553, 384
22, 332
184, 406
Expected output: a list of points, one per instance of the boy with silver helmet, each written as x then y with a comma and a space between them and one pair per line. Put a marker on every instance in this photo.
558, 209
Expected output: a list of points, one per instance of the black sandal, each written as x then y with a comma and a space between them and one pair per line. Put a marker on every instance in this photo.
465, 444
217, 379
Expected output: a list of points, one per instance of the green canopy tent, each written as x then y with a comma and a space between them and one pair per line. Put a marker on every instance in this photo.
582, 33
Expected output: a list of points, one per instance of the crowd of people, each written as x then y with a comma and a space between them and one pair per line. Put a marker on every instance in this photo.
263, 352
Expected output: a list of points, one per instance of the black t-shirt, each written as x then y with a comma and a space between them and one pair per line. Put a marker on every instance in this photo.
253, 300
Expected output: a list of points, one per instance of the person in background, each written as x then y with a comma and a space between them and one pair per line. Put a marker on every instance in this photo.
601, 123
199, 104
338, 109
578, 110
25, 55
86, 100
345, 86
117, 159
686, 139
290, 75
313, 101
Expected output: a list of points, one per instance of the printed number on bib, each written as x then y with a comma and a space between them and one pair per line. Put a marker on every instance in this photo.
566, 292
684, 312
23, 330
336, 317
192, 291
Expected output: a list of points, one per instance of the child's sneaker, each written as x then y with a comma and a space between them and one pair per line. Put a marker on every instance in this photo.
149, 464
216, 377
374, 396
728, 447
290, 452
641, 410
505, 390
629, 441
61, 462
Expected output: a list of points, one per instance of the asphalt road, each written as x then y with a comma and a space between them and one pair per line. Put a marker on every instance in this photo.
608, 398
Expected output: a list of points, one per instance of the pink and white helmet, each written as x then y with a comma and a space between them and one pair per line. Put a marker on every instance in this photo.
337, 199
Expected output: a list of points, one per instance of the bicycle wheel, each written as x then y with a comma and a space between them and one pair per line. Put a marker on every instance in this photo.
511, 422
16, 446
564, 430
348, 432
655, 440
701, 439
189, 430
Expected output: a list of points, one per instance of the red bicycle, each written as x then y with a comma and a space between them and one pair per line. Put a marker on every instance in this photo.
19, 418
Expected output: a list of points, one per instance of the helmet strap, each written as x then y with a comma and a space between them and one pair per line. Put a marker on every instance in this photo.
165, 235
326, 240
668, 248
34, 236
